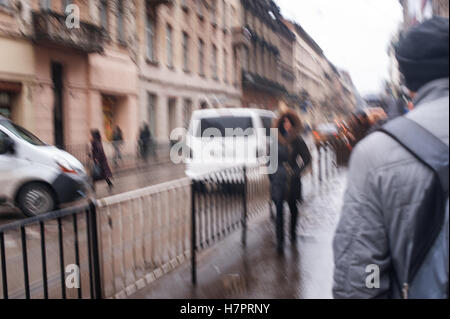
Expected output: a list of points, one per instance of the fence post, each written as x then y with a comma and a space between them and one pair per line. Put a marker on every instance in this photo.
95, 250
193, 236
244, 215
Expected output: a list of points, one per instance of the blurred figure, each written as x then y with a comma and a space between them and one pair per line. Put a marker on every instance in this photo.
145, 142
101, 170
394, 223
117, 144
286, 181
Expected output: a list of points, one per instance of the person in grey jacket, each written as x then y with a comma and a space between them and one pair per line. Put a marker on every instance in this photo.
386, 184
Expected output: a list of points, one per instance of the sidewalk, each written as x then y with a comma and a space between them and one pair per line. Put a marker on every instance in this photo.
229, 271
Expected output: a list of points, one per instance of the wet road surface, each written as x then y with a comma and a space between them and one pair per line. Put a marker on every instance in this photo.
229, 271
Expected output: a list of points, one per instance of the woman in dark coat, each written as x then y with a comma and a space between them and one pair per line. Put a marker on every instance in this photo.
99, 158
286, 181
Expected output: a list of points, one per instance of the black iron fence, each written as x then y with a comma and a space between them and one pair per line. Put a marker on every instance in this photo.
35, 254
122, 243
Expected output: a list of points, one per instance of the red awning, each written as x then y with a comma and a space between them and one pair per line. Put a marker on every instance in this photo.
12, 87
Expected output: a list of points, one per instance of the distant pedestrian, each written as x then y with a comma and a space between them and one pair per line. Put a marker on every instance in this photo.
117, 140
286, 181
393, 237
145, 138
100, 170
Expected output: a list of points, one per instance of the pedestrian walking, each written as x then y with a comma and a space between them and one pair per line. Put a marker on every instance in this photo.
100, 170
144, 142
393, 237
117, 140
286, 183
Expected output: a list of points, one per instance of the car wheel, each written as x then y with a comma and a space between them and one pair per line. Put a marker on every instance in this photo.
35, 199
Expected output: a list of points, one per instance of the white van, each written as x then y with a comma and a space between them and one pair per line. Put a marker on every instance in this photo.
34, 176
221, 149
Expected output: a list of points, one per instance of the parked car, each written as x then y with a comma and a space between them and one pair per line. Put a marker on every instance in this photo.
225, 150
34, 176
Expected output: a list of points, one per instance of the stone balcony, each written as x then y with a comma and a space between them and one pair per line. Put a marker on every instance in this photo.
241, 36
50, 29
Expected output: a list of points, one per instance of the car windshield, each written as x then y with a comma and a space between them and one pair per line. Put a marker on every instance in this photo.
22, 133
228, 126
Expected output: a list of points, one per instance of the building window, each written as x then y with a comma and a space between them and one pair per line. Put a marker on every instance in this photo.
201, 57
200, 8
5, 100
225, 66
104, 14
187, 112
46, 5
213, 9
185, 51
150, 34
214, 62
151, 112
245, 59
120, 22
169, 46
172, 108
225, 14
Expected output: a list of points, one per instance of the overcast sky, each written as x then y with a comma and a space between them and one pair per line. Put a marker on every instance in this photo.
354, 34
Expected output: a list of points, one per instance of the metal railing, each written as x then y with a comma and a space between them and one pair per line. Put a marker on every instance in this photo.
35, 254
141, 235
144, 234
223, 202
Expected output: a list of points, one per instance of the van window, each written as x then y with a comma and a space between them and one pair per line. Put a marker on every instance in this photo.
226, 122
22, 133
267, 123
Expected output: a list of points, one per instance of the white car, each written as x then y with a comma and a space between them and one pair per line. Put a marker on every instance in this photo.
239, 136
34, 176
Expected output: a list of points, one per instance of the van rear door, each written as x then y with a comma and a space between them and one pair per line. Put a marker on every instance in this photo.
227, 138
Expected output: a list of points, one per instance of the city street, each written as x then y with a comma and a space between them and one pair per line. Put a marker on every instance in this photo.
230, 271
265, 103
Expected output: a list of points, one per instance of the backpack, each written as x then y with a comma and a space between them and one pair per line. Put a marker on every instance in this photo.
426, 273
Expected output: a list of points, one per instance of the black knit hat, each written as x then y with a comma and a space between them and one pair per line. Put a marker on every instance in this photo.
423, 53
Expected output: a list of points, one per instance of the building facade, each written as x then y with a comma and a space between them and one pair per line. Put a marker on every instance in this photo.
416, 11
325, 93
263, 48
60, 79
185, 61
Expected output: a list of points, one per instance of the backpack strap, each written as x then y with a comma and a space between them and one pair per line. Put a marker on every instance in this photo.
433, 153
426, 147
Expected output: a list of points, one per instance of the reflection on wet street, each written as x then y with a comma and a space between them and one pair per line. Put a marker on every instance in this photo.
230, 271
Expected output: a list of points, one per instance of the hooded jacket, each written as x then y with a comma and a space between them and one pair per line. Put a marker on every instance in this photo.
386, 186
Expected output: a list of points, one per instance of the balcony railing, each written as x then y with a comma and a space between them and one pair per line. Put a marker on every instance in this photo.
51, 28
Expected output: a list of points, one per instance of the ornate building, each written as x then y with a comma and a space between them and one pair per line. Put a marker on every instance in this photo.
263, 47
185, 61
60, 79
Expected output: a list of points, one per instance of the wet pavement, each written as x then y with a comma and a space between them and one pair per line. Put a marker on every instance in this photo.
230, 271
139, 178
